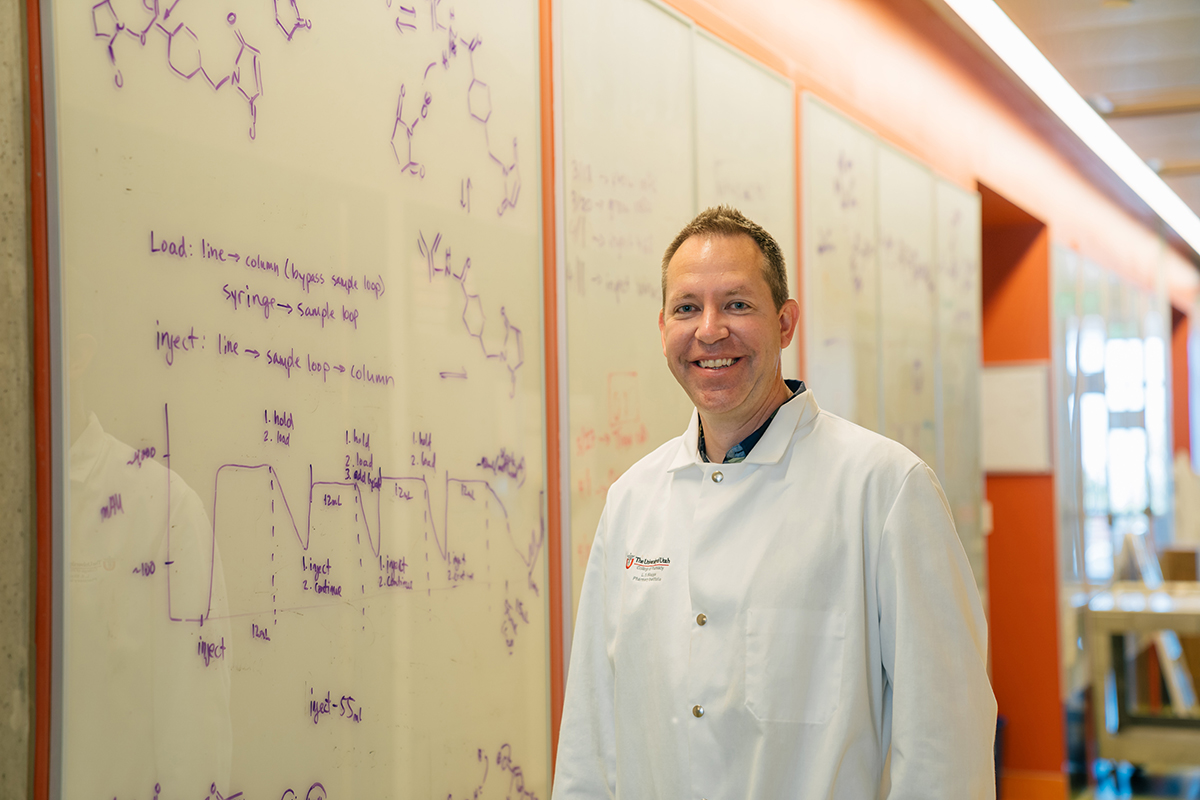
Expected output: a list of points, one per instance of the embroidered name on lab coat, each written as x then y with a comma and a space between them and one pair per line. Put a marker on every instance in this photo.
646, 569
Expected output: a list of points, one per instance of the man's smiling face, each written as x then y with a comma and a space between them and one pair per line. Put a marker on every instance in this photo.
721, 332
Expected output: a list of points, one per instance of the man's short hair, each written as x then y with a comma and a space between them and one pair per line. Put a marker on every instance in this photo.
728, 221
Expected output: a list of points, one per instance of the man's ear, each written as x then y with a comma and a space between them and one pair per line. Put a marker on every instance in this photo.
662, 329
789, 321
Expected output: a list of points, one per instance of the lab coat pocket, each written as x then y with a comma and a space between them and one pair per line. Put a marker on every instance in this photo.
794, 664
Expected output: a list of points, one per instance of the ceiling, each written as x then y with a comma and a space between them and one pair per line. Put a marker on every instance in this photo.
1137, 62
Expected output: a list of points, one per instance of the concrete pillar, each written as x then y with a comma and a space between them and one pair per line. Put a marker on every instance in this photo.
16, 412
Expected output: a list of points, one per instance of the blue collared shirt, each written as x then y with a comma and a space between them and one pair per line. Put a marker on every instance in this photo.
742, 449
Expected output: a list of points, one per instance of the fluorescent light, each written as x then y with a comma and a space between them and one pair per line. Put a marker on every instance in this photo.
1007, 41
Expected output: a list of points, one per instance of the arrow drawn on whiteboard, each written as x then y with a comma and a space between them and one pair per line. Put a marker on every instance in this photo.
462, 374
285, 305
339, 367
234, 256
248, 350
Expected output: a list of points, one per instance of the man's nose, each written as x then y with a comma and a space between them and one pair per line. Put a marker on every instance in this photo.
712, 327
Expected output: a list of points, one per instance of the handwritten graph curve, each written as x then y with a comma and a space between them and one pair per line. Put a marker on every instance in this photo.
528, 551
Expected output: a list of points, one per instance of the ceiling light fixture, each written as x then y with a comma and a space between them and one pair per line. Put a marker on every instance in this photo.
1007, 41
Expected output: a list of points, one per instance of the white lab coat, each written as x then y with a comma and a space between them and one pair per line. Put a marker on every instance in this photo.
841, 618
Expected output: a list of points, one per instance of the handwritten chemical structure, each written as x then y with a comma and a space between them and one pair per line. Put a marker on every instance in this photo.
315, 792
862, 251
961, 270
507, 770
289, 21
215, 794
408, 164
183, 46
478, 105
438, 260
907, 258
844, 184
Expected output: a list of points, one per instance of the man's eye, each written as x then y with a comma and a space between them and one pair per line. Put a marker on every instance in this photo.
686, 308
738, 305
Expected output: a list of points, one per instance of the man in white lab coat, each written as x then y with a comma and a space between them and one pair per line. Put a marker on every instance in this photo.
777, 597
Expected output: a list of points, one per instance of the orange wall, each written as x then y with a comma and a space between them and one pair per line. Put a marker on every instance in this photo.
1024, 621
1016, 293
1022, 573
1179, 382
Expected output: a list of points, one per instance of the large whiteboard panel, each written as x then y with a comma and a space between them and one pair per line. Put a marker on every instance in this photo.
908, 303
1016, 418
841, 276
301, 301
628, 164
746, 148
960, 351
892, 303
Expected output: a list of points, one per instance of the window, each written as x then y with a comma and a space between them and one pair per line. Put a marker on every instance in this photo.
1113, 457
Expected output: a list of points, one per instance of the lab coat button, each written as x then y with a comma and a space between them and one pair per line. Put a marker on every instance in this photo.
698, 711
717, 477
701, 619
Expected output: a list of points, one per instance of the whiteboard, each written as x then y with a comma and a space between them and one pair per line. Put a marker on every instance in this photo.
908, 303
960, 351
893, 314
841, 274
629, 187
1016, 418
304, 528
1066, 290
640, 158
746, 149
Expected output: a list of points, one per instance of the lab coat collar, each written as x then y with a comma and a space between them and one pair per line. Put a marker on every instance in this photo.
800, 411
